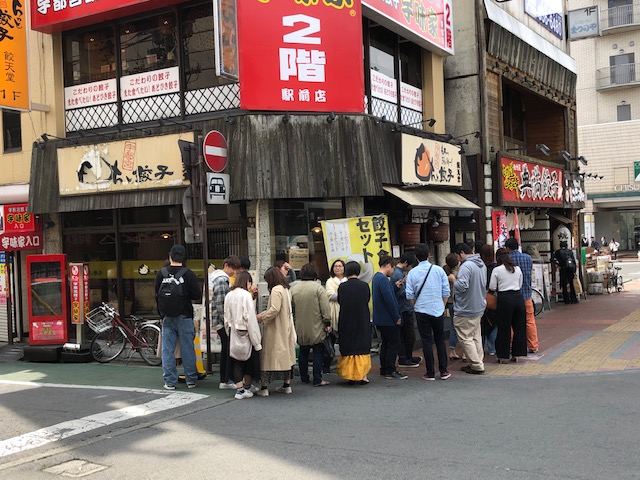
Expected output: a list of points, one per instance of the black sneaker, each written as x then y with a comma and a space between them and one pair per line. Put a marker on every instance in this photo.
408, 364
417, 360
396, 376
468, 369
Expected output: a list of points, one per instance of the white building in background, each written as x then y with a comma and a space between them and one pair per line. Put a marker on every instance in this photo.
608, 107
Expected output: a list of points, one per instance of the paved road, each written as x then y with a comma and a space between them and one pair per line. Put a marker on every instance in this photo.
570, 413
573, 427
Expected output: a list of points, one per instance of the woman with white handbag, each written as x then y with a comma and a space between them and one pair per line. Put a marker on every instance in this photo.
245, 339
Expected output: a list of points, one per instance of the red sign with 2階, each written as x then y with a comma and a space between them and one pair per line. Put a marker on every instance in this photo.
301, 55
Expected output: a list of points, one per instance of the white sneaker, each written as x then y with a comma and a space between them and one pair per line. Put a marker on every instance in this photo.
253, 389
245, 394
286, 390
227, 386
263, 392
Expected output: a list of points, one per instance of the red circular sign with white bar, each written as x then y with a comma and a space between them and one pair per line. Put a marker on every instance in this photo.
215, 151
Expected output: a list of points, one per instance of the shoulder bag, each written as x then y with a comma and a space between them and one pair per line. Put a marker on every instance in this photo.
423, 282
239, 344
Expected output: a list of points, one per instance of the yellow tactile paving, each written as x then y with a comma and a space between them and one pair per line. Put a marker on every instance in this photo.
592, 355
630, 323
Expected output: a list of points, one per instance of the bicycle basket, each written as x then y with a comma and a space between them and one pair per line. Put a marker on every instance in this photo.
100, 319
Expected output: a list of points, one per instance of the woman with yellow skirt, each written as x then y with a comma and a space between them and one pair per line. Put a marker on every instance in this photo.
354, 327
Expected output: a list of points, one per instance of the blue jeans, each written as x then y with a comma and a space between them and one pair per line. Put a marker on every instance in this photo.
180, 329
318, 360
490, 340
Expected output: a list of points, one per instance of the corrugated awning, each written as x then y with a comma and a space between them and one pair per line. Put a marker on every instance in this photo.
560, 217
441, 200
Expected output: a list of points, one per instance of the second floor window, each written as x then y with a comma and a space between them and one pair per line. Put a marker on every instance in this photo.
11, 131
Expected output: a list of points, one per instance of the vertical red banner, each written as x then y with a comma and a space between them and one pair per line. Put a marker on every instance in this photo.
301, 55
500, 228
75, 274
86, 297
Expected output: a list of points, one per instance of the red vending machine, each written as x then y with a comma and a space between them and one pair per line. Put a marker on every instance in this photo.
48, 299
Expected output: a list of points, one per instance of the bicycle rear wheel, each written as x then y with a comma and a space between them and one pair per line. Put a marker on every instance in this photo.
610, 283
107, 345
538, 302
148, 337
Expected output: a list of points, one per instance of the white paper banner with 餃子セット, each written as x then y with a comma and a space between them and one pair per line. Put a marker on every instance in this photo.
359, 239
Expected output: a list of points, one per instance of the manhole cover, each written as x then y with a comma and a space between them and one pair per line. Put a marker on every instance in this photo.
76, 468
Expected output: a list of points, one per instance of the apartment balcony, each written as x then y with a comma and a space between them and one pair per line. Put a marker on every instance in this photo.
617, 77
619, 19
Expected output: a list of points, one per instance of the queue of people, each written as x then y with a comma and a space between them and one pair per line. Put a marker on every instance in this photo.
259, 348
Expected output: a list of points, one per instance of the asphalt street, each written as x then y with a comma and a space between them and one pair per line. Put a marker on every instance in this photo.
573, 426
567, 413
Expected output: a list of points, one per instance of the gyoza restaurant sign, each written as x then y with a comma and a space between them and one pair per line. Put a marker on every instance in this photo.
120, 166
525, 183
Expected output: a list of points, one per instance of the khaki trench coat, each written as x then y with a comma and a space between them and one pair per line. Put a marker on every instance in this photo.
278, 352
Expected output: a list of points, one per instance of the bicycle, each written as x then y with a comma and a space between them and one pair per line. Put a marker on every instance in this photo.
614, 280
538, 301
112, 334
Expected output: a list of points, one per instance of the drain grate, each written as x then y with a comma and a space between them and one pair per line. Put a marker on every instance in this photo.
75, 468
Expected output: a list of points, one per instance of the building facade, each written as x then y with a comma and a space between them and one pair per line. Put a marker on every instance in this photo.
512, 83
123, 88
608, 96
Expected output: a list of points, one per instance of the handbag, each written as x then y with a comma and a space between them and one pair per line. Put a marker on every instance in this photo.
492, 301
329, 350
577, 285
239, 344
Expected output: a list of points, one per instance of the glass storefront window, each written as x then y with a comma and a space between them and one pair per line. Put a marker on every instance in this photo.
89, 56
149, 44
99, 251
145, 252
297, 233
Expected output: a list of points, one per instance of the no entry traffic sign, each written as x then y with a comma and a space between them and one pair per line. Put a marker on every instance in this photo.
215, 151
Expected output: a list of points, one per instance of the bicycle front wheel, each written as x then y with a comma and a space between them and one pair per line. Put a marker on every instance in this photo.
107, 345
538, 302
620, 283
148, 337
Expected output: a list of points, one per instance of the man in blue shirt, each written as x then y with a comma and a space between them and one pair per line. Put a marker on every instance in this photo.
525, 263
407, 330
386, 316
427, 288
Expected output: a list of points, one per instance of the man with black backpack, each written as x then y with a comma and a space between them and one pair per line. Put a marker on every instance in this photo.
564, 259
176, 287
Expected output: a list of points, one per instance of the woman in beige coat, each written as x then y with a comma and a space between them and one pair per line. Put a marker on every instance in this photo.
278, 352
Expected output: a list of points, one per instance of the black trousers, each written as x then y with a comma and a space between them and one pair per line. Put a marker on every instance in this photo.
432, 331
566, 277
224, 356
389, 349
408, 336
511, 315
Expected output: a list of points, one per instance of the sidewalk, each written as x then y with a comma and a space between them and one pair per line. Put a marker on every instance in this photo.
600, 334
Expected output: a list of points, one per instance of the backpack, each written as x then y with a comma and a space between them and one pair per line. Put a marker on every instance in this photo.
171, 293
569, 261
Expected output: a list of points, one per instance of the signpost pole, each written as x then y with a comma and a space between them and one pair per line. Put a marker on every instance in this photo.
205, 244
